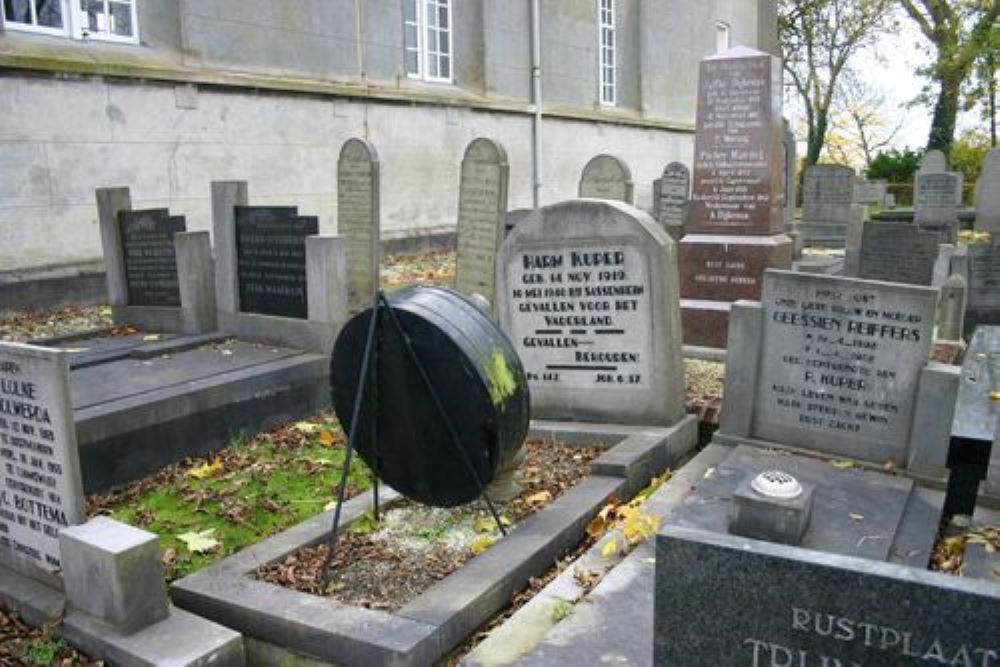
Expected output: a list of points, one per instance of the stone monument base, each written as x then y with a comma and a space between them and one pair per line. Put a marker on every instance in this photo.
705, 323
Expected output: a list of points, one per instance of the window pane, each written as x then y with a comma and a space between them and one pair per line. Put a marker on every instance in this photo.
412, 63
49, 13
92, 12
121, 19
410, 37
443, 16
443, 42
445, 67
432, 41
432, 66
410, 10
17, 11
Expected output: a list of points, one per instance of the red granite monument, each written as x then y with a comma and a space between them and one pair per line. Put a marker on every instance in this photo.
736, 215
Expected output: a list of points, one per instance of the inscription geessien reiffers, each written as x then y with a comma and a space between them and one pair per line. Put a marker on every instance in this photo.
31, 504
582, 316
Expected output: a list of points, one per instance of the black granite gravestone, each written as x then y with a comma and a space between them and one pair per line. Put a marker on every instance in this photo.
271, 259
147, 239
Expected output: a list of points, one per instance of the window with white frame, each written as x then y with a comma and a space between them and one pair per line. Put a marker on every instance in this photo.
109, 20
606, 51
427, 39
722, 40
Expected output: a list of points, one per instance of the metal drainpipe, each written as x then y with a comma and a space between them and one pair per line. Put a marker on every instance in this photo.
536, 96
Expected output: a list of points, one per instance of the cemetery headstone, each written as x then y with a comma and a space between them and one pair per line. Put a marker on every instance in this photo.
670, 193
842, 368
271, 260
936, 201
984, 283
898, 252
735, 219
607, 177
828, 207
482, 214
788, 172
277, 280
40, 486
150, 259
988, 194
358, 211
871, 192
587, 293
160, 277
933, 162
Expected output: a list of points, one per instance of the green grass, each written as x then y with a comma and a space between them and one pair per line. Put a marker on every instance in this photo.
265, 486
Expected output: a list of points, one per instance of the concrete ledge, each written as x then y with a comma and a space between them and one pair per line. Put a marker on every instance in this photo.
705, 353
429, 626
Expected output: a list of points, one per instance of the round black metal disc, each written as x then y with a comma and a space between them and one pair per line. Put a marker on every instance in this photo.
413, 449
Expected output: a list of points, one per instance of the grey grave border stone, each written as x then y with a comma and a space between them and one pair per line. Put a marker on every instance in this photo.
195, 274
326, 283
440, 618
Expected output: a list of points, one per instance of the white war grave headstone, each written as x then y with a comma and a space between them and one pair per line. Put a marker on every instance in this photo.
587, 291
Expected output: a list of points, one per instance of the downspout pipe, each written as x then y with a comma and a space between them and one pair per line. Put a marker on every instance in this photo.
536, 98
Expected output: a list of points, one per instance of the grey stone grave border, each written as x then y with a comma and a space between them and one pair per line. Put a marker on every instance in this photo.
428, 627
195, 274
326, 283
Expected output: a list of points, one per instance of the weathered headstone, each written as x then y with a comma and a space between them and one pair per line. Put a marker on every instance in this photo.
988, 194
984, 283
607, 177
788, 172
898, 252
871, 192
482, 215
736, 212
40, 487
587, 293
160, 277
358, 211
670, 192
936, 202
933, 162
828, 207
150, 258
841, 369
271, 260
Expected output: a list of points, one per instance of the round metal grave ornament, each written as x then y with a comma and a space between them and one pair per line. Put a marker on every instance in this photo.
776, 484
446, 402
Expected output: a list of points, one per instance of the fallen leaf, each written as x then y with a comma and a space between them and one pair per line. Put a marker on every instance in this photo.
199, 542
329, 506
207, 470
326, 438
842, 464
484, 524
169, 556
305, 427
149, 338
610, 548
856, 517
480, 544
538, 498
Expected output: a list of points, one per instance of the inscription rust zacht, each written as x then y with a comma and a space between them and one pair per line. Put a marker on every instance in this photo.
271, 260
147, 239
738, 134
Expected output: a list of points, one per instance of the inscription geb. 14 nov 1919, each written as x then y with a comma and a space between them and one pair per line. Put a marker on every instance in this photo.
581, 315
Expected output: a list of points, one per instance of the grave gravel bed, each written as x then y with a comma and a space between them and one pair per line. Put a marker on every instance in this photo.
385, 566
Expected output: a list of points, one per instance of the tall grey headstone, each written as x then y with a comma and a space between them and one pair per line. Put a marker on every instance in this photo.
672, 193
358, 209
933, 162
984, 282
841, 368
988, 194
587, 292
871, 192
828, 206
898, 252
936, 202
40, 486
607, 177
788, 171
482, 216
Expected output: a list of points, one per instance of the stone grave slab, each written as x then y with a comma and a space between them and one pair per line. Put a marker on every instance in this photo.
936, 202
984, 283
271, 259
607, 177
159, 276
828, 206
988, 194
150, 259
898, 252
587, 293
736, 214
671, 197
744, 601
358, 219
871, 192
841, 369
40, 487
482, 216
977, 415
